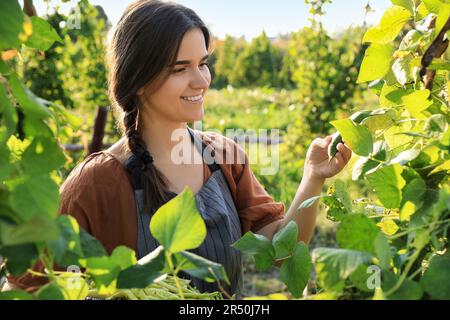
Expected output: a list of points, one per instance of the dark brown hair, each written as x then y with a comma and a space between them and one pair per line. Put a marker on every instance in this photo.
145, 42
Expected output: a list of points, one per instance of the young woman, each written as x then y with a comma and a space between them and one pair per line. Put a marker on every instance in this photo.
158, 78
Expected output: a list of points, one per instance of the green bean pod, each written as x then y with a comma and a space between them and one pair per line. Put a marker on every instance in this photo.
332, 147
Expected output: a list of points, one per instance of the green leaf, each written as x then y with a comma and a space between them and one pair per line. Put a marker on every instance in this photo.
258, 246
377, 62
407, 4
357, 232
178, 225
27, 100
406, 156
388, 184
391, 96
124, 257
19, 258
417, 102
436, 280
414, 191
333, 266
402, 69
67, 248
341, 193
91, 246
285, 240
73, 286
383, 250
356, 136
8, 117
336, 210
142, 275
43, 35
360, 277
36, 196
42, 156
309, 202
411, 41
11, 20
441, 9
391, 24
437, 123
296, 270
50, 291
365, 164
37, 229
16, 295
409, 290
200, 267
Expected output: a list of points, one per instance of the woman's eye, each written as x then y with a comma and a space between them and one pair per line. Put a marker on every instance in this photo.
179, 70
182, 69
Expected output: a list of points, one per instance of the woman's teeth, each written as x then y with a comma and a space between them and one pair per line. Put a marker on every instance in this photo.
193, 99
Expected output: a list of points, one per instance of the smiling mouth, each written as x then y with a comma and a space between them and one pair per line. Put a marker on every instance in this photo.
193, 99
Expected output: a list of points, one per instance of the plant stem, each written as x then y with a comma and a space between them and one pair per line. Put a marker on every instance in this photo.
175, 278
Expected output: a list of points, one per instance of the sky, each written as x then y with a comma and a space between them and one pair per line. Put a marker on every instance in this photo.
249, 18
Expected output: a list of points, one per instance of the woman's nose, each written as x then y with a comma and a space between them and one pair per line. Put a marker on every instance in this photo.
201, 78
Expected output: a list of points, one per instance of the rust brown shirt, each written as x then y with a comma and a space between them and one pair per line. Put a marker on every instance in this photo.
99, 194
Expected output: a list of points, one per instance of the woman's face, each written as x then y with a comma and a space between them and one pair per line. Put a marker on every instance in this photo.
180, 97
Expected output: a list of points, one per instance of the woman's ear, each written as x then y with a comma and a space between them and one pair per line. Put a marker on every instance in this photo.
140, 92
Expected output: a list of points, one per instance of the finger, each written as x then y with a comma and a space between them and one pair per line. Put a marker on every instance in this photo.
345, 151
340, 161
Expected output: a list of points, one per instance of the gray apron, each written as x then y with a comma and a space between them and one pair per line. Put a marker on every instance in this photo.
216, 206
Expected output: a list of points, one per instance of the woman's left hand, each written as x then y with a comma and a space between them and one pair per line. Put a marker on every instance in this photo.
316, 163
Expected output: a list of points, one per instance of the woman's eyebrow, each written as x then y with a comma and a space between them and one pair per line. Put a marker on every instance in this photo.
188, 61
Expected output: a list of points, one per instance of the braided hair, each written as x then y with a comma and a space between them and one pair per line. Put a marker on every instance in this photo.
146, 40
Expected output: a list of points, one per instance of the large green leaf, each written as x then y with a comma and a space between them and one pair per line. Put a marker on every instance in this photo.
414, 191
43, 35
178, 225
90, 246
356, 136
142, 275
417, 102
11, 21
16, 295
341, 193
333, 266
105, 270
258, 246
67, 248
285, 240
383, 250
357, 232
402, 69
441, 9
50, 291
436, 280
37, 229
407, 4
8, 117
27, 100
391, 24
409, 290
19, 258
200, 267
36, 196
377, 62
296, 270
365, 164
42, 156
388, 184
